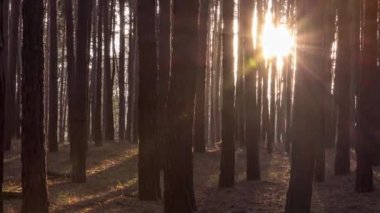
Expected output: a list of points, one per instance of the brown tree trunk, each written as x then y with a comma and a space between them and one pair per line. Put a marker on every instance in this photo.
308, 104
2, 97
70, 65
149, 175
35, 197
121, 76
199, 142
368, 100
227, 163
252, 121
107, 86
97, 125
78, 129
179, 191
53, 80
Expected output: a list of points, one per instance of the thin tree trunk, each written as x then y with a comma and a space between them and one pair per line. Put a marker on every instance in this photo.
108, 122
53, 80
97, 126
2, 96
122, 72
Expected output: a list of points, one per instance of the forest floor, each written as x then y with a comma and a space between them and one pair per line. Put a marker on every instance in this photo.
112, 184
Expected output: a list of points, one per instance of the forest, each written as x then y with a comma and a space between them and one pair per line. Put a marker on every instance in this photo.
183, 106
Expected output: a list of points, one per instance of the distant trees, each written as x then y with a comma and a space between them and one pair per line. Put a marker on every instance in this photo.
33, 147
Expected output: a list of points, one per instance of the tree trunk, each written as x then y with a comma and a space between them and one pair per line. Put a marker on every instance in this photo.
149, 173
70, 65
78, 131
121, 76
308, 104
107, 86
53, 80
199, 142
179, 191
97, 123
35, 197
227, 163
368, 100
252, 122
2, 96
4, 60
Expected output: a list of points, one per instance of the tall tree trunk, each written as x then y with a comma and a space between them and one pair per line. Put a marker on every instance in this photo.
4, 60
200, 120
342, 76
10, 97
121, 76
33, 158
78, 129
165, 16
252, 121
70, 65
131, 69
2, 96
179, 190
368, 100
227, 163
308, 104
149, 173
53, 80
107, 86
97, 116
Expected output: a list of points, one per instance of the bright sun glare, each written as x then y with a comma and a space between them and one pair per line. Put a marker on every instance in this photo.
276, 41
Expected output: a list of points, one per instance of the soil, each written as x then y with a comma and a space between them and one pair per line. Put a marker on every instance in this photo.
112, 184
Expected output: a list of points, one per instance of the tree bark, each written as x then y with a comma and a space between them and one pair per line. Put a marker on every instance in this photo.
33, 157
53, 80
227, 163
2, 97
107, 81
149, 173
179, 191
368, 100
78, 131
200, 120
121, 76
308, 104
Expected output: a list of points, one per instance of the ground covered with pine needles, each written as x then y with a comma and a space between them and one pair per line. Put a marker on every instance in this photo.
112, 184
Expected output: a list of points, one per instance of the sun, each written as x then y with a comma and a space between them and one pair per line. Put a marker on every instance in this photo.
277, 41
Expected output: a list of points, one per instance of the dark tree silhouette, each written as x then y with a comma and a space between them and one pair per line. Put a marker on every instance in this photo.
2, 98
97, 124
342, 89
227, 163
200, 120
78, 129
368, 100
53, 83
107, 80
252, 122
35, 198
70, 65
308, 121
149, 173
179, 191
122, 72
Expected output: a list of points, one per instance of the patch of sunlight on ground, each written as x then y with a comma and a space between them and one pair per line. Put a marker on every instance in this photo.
108, 163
